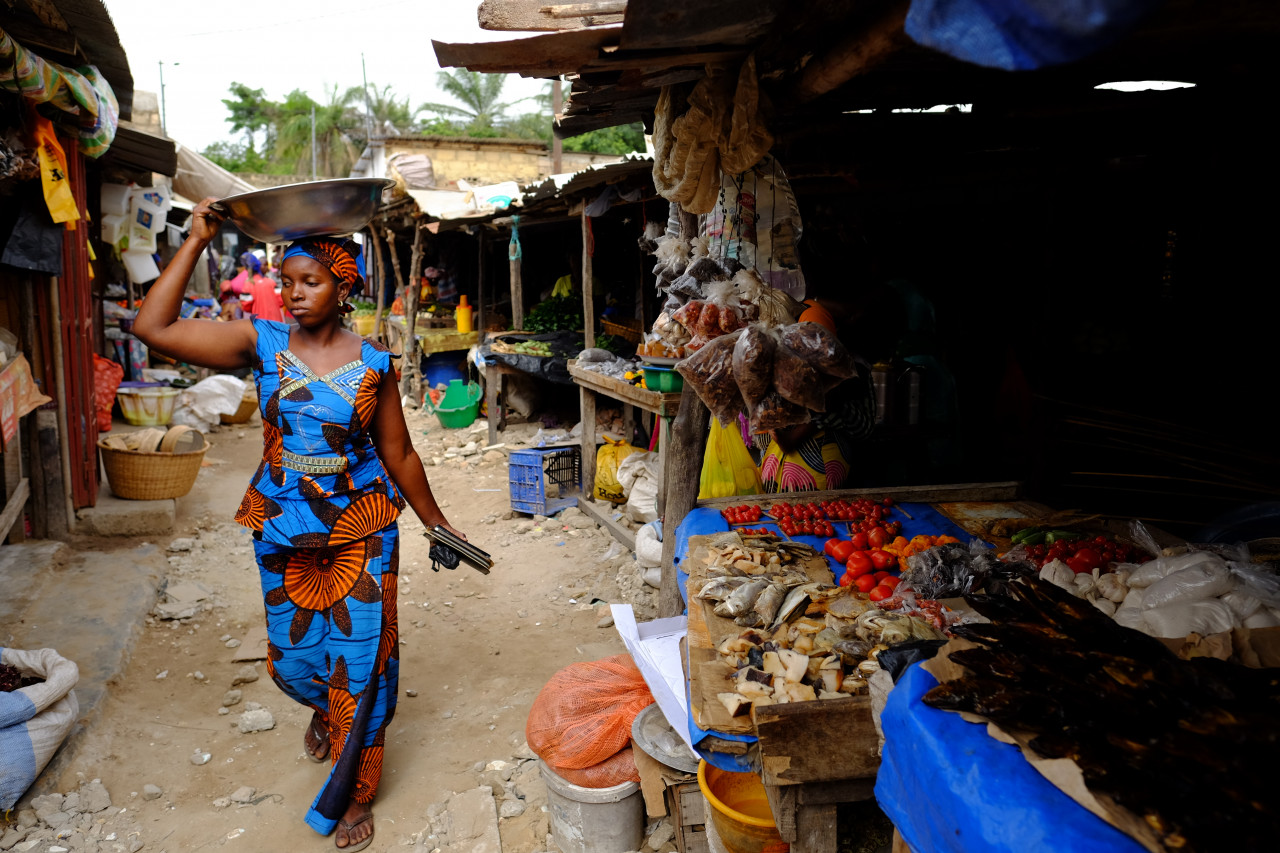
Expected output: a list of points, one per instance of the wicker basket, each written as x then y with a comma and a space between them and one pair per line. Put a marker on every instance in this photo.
627, 329
138, 476
248, 406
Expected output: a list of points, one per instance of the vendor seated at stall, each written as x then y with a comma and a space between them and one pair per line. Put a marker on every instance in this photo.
817, 455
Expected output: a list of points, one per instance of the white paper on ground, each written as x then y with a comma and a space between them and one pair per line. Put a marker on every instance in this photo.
655, 648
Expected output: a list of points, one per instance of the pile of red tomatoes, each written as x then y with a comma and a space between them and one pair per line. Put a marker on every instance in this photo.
742, 514
802, 519
1085, 555
865, 566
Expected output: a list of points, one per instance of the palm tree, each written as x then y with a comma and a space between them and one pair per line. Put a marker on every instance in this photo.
335, 123
390, 116
478, 93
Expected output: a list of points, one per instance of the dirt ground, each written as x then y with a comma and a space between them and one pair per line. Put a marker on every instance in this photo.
475, 651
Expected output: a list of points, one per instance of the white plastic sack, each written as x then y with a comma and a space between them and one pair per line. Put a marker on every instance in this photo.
1148, 573
649, 546
1173, 621
1264, 618
1242, 604
34, 720
1200, 581
640, 476
201, 405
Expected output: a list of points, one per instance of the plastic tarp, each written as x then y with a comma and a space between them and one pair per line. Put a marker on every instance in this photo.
705, 521
199, 177
981, 794
1019, 35
81, 100
551, 368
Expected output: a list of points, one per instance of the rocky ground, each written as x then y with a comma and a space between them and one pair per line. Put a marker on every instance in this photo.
195, 748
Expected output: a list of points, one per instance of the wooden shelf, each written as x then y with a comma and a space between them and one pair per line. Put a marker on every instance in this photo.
660, 404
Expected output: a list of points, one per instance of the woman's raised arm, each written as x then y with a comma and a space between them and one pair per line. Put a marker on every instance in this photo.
223, 346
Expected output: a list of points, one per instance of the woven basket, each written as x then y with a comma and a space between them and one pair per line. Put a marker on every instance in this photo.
628, 330
242, 415
138, 476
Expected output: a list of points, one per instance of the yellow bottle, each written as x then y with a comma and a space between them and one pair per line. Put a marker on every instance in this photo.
463, 315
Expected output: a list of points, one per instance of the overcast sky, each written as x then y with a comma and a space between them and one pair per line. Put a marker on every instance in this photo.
281, 45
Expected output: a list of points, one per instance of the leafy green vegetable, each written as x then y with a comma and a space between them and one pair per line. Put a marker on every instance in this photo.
559, 313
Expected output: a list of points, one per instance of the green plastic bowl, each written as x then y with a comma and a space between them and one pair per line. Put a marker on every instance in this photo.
664, 379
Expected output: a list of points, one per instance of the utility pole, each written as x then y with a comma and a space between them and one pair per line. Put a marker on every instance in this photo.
313, 142
368, 107
557, 146
164, 123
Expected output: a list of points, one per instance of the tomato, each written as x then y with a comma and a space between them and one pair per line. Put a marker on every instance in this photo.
859, 541
842, 551
865, 583
877, 537
879, 576
880, 593
1090, 557
887, 502
891, 582
1079, 566
859, 563
882, 559
847, 579
829, 547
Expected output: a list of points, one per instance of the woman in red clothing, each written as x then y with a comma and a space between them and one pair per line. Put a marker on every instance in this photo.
256, 292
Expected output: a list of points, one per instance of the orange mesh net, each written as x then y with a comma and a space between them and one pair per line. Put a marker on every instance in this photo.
583, 715
614, 770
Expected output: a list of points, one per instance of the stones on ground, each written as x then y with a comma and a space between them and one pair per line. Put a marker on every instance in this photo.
662, 834
233, 643
182, 544
222, 802
257, 720
524, 752
200, 758
247, 675
94, 797
473, 822
182, 600
493, 456
525, 527
606, 618
581, 522
243, 794
232, 697
511, 808
152, 792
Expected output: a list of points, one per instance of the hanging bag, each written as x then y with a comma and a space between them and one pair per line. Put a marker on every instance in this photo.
727, 466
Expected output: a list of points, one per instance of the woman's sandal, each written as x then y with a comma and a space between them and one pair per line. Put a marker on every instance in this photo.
320, 731
359, 845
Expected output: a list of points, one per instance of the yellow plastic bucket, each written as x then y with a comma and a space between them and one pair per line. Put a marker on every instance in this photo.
740, 811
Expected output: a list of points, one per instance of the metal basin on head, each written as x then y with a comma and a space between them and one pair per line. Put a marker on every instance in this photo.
311, 209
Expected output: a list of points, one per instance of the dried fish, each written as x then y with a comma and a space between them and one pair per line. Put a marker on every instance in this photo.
743, 598
767, 603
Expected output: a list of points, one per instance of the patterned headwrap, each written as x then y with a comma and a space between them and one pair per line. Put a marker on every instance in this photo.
342, 258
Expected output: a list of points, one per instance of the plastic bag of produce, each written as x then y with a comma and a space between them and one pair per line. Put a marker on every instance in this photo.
727, 467
775, 412
107, 376
1204, 579
641, 478
1207, 616
583, 714
819, 348
709, 372
753, 363
34, 720
797, 380
608, 459
1148, 573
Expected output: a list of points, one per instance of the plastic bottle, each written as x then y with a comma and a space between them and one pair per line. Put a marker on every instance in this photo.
463, 315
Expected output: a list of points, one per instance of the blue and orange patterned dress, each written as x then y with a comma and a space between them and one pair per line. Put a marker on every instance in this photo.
323, 510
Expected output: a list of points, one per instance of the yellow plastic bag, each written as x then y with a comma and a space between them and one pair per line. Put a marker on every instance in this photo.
608, 458
53, 173
727, 466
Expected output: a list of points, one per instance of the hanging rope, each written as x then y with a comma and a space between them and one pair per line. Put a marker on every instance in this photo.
514, 252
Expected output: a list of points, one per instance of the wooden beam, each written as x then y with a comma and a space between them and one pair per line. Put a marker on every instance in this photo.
583, 10
527, 15
604, 517
1000, 491
546, 55
684, 464
858, 53
13, 507
588, 298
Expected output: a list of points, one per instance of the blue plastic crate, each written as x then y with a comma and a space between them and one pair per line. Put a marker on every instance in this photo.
530, 472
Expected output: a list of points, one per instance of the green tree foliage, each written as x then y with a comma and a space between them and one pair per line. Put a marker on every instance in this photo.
236, 157
477, 95
609, 140
336, 124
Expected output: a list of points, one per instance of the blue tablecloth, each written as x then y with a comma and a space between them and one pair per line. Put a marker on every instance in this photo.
704, 521
951, 788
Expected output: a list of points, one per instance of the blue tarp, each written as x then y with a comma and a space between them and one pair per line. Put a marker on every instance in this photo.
705, 521
949, 787
1018, 35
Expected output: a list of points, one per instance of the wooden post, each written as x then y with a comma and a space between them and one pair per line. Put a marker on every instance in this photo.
410, 374
380, 290
588, 413
684, 464
479, 309
588, 298
517, 287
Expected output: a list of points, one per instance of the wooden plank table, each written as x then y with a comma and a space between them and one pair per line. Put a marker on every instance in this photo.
662, 405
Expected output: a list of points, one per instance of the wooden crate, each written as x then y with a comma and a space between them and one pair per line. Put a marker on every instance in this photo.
688, 811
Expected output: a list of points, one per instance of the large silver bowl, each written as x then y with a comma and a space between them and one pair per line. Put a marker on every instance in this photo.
313, 209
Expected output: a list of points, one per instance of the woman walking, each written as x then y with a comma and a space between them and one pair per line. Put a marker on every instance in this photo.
338, 467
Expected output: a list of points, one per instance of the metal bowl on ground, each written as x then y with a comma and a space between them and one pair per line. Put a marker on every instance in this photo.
652, 733
311, 209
